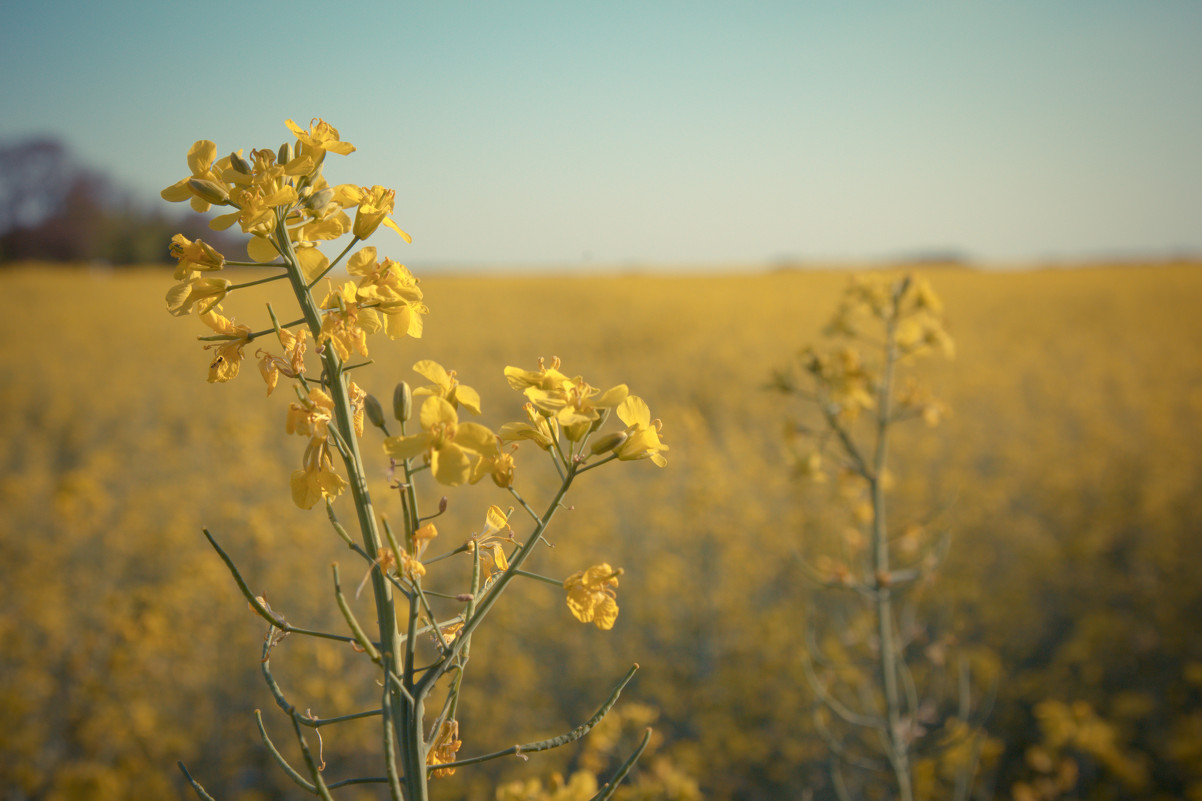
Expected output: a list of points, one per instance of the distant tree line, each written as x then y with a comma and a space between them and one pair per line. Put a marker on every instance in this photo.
52, 208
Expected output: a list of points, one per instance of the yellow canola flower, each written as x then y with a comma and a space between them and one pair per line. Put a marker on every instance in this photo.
291, 364
490, 541
389, 288
447, 444
319, 139
642, 441
193, 257
203, 293
497, 464
317, 479
228, 358
372, 207
446, 385
592, 597
203, 168
348, 323
539, 429
572, 402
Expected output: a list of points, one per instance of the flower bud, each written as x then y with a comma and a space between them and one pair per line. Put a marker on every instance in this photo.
209, 191
609, 442
402, 402
240, 164
375, 414
285, 154
319, 200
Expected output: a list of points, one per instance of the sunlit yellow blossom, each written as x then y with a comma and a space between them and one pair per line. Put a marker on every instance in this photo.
194, 256
200, 162
347, 325
491, 540
446, 443
642, 432
321, 138
311, 416
203, 293
228, 358
496, 463
592, 597
446, 385
291, 364
573, 402
539, 429
372, 208
316, 481
444, 748
390, 289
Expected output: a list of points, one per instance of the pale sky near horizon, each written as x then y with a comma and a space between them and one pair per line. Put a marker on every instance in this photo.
528, 133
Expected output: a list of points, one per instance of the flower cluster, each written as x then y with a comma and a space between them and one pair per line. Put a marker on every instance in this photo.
282, 202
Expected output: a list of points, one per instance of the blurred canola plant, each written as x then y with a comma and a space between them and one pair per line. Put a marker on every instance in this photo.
879, 710
423, 641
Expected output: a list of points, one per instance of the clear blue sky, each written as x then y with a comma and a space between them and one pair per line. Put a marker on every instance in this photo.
660, 132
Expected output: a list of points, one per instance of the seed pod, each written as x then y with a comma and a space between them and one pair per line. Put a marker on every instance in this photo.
375, 414
402, 402
240, 164
209, 191
610, 442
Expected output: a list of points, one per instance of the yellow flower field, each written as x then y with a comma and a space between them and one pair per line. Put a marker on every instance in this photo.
1068, 469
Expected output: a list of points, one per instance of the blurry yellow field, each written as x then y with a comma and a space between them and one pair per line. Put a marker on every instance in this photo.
1072, 462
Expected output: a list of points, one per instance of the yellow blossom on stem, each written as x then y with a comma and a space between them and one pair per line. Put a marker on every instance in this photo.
642, 441
321, 138
446, 443
228, 358
490, 541
203, 293
203, 168
572, 402
347, 324
372, 207
390, 289
194, 256
592, 597
316, 480
291, 364
538, 429
446, 385
497, 464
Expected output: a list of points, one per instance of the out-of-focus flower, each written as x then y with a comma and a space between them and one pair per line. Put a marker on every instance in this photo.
592, 595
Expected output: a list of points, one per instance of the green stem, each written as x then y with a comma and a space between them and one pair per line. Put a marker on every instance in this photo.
898, 750
406, 724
